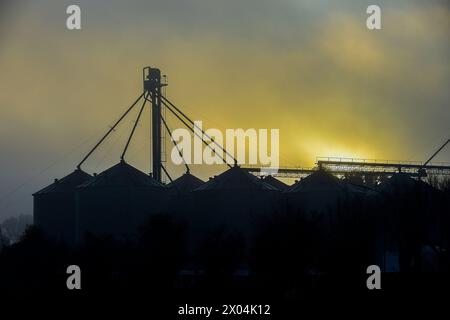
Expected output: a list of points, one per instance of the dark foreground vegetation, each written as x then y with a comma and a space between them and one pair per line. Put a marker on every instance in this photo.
293, 259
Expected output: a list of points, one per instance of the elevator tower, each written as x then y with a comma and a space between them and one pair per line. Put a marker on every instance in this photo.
152, 91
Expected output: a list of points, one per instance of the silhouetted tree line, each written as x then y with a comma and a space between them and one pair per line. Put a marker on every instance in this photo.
12, 228
290, 255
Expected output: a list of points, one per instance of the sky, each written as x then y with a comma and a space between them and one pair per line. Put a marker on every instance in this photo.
308, 68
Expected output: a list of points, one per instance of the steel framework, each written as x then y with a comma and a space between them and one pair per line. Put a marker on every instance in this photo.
364, 167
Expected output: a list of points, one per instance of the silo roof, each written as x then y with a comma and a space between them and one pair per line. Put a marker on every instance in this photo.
187, 182
235, 179
66, 184
275, 183
404, 183
321, 181
121, 175
317, 181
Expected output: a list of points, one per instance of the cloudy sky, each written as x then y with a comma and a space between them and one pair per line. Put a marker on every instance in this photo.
308, 67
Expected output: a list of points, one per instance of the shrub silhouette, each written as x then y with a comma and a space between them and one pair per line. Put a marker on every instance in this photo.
33, 264
284, 249
161, 250
220, 254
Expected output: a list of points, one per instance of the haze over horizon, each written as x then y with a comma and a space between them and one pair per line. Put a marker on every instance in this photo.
309, 68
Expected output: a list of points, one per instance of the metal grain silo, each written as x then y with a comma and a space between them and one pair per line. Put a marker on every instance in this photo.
415, 218
281, 186
184, 184
401, 184
320, 193
180, 195
235, 199
117, 202
54, 206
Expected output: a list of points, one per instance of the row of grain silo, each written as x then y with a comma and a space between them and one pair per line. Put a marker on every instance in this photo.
115, 202
122, 198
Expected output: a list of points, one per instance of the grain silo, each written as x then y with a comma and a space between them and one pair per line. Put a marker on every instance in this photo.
320, 193
184, 184
180, 195
54, 206
234, 199
336, 211
414, 219
117, 202
280, 185
402, 183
